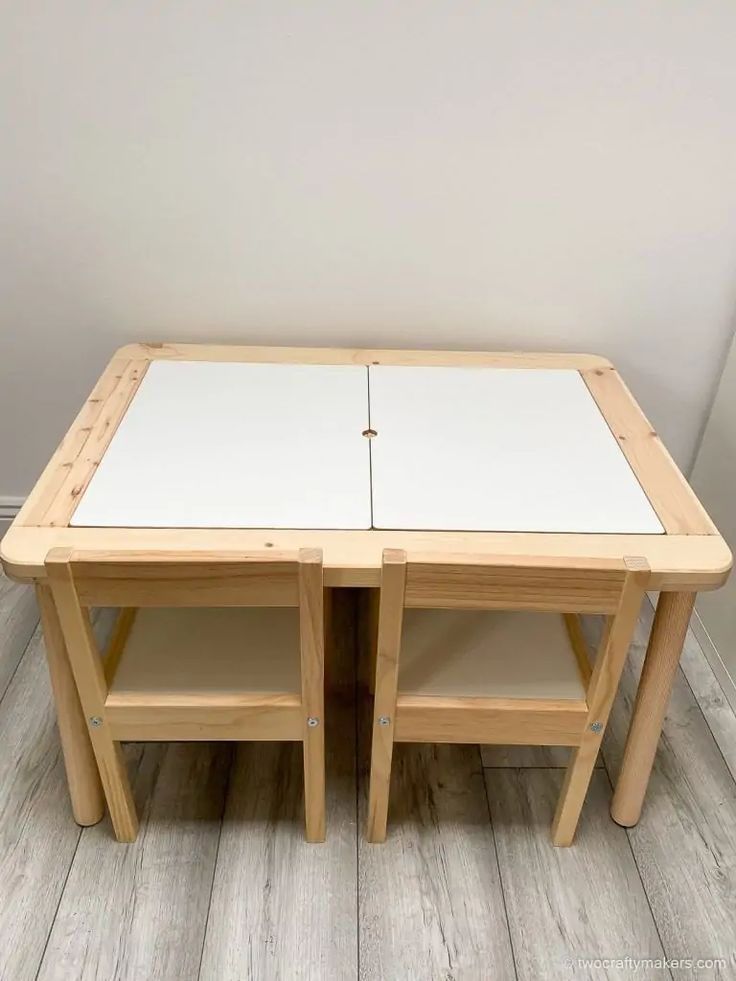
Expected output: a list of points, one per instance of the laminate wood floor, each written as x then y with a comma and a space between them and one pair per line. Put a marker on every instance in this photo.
220, 885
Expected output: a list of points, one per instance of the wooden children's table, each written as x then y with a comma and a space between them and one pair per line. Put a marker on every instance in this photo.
199, 447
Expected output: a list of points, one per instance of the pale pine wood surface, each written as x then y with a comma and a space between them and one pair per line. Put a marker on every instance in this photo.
74, 904
691, 555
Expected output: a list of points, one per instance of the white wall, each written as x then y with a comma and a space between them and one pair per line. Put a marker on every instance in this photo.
714, 479
361, 172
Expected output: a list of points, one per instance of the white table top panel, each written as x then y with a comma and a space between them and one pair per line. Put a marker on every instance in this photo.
489, 449
235, 445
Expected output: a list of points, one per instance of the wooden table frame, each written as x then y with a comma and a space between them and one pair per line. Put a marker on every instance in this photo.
690, 557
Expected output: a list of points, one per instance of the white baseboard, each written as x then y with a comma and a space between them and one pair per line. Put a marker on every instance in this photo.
709, 649
9, 507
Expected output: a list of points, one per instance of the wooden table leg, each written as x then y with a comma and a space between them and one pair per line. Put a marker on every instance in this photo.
85, 789
658, 675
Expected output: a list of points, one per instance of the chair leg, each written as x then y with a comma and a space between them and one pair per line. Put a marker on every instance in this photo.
574, 790
115, 783
380, 782
314, 784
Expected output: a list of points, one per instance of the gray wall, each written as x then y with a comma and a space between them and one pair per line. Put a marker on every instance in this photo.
432, 173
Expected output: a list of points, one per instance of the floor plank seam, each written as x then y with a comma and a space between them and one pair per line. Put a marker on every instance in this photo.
728, 766
638, 872
20, 659
498, 862
225, 796
58, 904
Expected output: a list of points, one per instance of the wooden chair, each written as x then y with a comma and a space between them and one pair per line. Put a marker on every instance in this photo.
215, 668
467, 675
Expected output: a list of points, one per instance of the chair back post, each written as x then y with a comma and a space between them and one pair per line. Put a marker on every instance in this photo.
390, 622
616, 641
92, 686
84, 654
601, 691
312, 654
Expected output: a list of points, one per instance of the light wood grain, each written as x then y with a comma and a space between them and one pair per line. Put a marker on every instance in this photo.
18, 619
140, 911
91, 685
164, 717
167, 579
312, 664
57, 470
37, 837
660, 666
540, 722
586, 901
670, 495
604, 681
694, 561
580, 649
431, 904
353, 558
112, 651
390, 619
85, 789
521, 583
337, 355
80, 471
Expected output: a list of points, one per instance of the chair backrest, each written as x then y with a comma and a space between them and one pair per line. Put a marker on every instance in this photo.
162, 578
83, 579
514, 583
613, 587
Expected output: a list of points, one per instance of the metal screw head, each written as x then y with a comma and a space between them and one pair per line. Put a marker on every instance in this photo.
384, 720
312, 721
596, 727
95, 721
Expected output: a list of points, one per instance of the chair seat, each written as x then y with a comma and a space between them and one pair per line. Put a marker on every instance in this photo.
202, 650
488, 654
